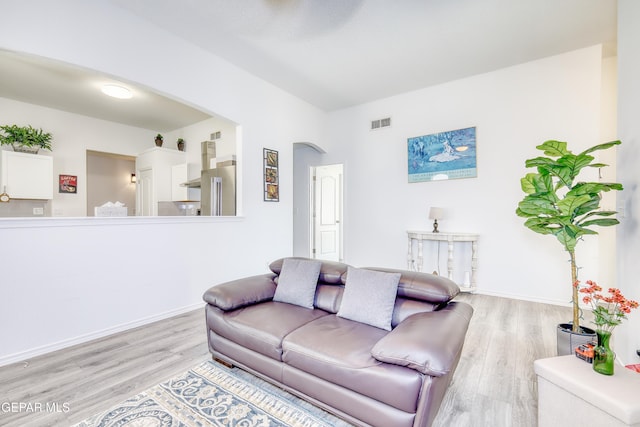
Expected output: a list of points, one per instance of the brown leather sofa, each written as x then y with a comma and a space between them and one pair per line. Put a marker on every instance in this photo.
361, 373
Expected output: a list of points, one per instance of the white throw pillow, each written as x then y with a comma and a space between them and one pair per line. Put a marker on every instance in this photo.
369, 297
297, 282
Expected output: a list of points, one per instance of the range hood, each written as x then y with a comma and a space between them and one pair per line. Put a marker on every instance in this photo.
192, 183
214, 162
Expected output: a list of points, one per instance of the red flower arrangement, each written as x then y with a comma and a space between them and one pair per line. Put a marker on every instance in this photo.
608, 311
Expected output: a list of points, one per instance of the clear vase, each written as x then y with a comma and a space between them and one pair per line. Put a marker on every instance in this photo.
603, 356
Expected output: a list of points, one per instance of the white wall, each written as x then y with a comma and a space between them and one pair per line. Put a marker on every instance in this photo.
627, 336
514, 110
94, 276
109, 180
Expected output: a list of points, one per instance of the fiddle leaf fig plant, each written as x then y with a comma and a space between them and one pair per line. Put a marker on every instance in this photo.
556, 203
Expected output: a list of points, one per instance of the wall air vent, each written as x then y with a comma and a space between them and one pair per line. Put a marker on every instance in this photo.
380, 123
216, 135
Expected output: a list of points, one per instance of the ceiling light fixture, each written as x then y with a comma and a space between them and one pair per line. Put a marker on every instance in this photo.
116, 91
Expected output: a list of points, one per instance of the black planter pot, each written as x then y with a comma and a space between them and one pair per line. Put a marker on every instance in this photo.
567, 340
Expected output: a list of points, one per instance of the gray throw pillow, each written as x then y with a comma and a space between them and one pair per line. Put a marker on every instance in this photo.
369, 297
297, 282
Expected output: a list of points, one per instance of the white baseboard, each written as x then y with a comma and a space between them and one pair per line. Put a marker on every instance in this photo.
524, 298
38, 351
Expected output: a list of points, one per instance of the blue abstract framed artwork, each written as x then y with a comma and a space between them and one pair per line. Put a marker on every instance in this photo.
443, 155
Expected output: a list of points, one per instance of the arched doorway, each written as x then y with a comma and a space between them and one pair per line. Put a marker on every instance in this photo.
313, 227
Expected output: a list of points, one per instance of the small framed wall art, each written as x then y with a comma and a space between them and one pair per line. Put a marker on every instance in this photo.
68, 184
443, 155
271, 186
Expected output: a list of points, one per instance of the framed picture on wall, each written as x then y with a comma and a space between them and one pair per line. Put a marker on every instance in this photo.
271, 185
443, 155
68, 184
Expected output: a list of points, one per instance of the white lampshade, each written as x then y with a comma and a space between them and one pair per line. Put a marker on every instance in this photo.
436, 213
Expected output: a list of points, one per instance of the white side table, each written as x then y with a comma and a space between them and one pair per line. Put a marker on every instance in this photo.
571, 393
415, 263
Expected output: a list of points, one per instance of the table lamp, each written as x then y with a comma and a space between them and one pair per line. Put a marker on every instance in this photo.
435, 214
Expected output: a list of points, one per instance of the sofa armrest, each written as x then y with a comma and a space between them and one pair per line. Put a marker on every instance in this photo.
241, 292
429, 342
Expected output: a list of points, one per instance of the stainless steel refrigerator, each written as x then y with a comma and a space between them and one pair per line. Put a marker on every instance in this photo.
218, 191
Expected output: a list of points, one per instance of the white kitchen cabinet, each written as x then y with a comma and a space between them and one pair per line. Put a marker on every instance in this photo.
155, 178
26, 176
179, 176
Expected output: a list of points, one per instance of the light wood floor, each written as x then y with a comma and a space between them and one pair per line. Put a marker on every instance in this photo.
494, 384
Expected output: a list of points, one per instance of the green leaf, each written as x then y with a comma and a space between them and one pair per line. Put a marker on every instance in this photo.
602, 222
593, 188
580, 231
527, 183
551, 221
570, 204
554, 148
563, 173
592, 205
534, 206
575, 163
603, 146
534, 183
539, 161
543, 225
568, 241
600, 213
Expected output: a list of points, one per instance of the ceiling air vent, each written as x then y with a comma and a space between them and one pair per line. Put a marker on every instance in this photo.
216, 135
381, 123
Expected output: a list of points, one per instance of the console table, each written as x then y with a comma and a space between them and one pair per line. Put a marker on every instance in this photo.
415, 263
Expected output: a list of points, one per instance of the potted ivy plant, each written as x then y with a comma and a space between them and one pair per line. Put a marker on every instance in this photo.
159, 139
556, 203
26, 139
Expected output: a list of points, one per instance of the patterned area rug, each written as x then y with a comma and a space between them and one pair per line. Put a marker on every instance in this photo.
213, 395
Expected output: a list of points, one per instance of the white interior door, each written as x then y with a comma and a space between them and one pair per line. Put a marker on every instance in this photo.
144, 181
327, 212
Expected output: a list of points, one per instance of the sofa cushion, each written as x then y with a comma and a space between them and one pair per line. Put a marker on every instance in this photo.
339, 351
330, 271
369, 297
328, 297
241, 292
297, 282
422, 286
261, 327
406, 307
428, 342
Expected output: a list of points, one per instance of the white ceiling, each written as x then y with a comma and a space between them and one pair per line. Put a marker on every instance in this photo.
69, 88
339, 53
